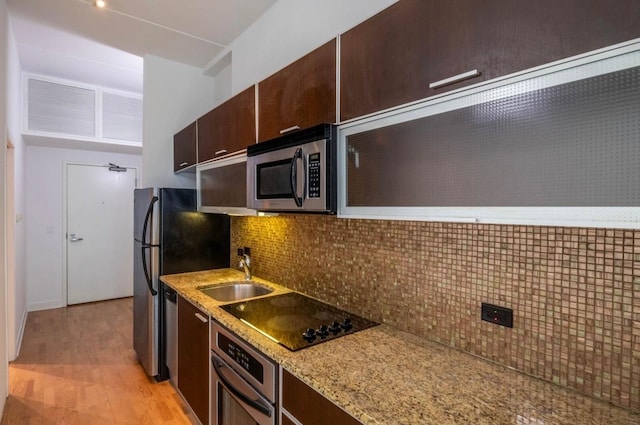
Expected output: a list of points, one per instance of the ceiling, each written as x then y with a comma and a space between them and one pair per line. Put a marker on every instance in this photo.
75, 40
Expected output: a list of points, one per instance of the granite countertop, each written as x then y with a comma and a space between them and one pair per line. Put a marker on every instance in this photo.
385, 376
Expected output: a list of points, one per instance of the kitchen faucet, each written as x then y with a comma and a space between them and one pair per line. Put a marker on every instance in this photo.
245, 264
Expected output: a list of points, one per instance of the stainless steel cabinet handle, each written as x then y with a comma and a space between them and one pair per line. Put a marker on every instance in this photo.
202, 318
454, 79
73, 238
184, 164
220, 152
286, 130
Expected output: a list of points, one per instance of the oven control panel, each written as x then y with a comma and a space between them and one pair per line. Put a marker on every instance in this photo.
251, 365
241, 357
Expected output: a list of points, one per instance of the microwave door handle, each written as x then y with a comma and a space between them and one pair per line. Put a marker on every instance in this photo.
304, 176
294, 176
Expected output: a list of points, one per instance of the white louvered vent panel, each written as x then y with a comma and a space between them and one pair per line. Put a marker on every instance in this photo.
59, 108
121, 117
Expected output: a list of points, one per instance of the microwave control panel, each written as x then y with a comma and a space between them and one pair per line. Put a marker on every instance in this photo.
314, 175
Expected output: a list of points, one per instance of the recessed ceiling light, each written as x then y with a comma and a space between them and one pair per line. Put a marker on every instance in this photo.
100, 4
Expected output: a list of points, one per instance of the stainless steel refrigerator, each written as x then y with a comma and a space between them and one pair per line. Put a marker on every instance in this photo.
169, 237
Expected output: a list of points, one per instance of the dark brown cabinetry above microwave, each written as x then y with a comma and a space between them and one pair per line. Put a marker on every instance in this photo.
184, 149
299, 96
309, 407
415, 48
228, 128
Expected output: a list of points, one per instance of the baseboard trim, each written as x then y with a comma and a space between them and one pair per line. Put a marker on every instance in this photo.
45, 305
23, 324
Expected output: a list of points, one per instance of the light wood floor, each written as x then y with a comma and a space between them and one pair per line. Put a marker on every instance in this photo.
77, 366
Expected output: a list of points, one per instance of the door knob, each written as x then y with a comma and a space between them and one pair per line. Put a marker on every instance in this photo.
73, 238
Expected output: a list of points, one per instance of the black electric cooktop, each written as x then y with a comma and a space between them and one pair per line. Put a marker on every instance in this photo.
297, 321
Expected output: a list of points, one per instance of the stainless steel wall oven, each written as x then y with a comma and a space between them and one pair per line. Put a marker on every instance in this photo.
244, 382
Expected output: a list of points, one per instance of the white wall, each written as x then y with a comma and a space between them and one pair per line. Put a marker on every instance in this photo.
4, 369
44, 207
289, 30
174, 96
222, 79
17, 285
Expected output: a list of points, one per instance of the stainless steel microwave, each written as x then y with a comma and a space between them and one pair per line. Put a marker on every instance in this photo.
296, 172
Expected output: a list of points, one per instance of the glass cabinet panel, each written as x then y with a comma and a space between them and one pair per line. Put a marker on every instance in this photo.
506, 154
222, 186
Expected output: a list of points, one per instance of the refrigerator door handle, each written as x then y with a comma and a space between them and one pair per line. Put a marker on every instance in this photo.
146, 245
154, 199
146, 272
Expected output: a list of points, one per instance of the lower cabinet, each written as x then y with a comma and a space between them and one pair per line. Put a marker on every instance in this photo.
301, 404
287, 421
193, 358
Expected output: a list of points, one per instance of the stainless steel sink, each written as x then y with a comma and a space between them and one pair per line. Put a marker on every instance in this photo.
236, 291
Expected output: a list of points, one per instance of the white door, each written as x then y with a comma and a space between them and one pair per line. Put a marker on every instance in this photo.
99, 233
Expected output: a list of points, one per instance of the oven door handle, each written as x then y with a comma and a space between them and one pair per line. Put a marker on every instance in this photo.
294, 177
219, 367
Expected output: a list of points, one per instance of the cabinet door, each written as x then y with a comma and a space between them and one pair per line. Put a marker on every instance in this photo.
308, 406
299, 96
184, 148
383, 61
193, 358
558, 149
228, 128
222, 186
395, 56
511, 36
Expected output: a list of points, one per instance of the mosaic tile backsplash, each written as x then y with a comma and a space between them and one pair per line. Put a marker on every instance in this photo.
575, 292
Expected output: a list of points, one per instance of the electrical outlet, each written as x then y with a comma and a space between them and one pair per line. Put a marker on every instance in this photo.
247, 250
240, 252
499, 315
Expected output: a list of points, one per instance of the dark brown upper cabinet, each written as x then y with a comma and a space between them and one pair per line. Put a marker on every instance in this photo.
415, 48
228, 128
184, 149
299, 96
